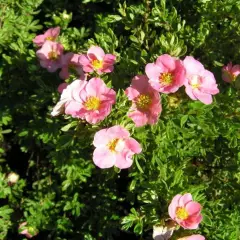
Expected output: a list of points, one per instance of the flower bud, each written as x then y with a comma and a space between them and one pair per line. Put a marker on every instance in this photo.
12, 178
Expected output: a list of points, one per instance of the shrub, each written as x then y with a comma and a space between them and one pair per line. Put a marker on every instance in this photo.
193, 147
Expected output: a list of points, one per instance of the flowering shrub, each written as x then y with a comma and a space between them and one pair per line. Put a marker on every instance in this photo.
119, 119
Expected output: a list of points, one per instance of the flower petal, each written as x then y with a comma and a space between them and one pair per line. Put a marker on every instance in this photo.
186, 198
123, 160
167, 61
193, 208
173, 206
95, 53
133, 145
203, 97
103, 158
153, 71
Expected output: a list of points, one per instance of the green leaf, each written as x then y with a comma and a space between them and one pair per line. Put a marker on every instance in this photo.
134, 39
183, 120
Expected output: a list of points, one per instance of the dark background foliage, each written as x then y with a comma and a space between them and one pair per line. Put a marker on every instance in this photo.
193, 148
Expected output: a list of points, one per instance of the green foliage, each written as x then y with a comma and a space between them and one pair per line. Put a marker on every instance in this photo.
194, 147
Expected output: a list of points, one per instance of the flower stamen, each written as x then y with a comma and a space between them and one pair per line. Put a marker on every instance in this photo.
195, 81
53, 55
181, 213
143, 101
92, 103
112, 145
166, 79
97, 64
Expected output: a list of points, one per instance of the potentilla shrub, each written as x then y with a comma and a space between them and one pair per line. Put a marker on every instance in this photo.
120, 119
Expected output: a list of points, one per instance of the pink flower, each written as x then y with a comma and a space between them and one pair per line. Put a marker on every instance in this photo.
193, 237
114, 147
50, 55
90, 100
185, 211
51, 34
70, 64
69, 94
97, 60
96, 99
200, 83
230, 72
167, 75
146, 104
29, 232
61, 87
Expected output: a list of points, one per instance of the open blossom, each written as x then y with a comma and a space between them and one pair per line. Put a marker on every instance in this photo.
97, 60
114, 147
70, 64
51, 34
185, 211
146, 104
230, 72
50, 55
166, 75
200, 83
90, 100
28, 231
96, 101
193, 237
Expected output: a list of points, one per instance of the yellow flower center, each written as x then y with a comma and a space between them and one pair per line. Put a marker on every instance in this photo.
112, 145
50, 38
181, 213
166, 78
53, 55
143, 101
92, 103
195, 81
231, 75
97, 64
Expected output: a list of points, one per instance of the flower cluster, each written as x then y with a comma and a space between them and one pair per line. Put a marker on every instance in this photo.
91, 100
168, 74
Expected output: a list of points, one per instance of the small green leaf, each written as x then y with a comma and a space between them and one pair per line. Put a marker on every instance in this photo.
183, 120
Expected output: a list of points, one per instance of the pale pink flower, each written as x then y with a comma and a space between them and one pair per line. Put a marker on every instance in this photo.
61, 87
70, 64
69, 96
97, 60
28, 231
200, 83
146, 103
90, 100
185, 211
51, 34
230, 72
193, 237
166, 75
114, 147
50, 55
